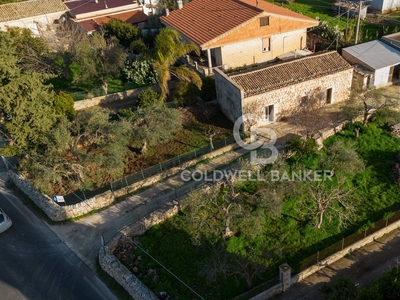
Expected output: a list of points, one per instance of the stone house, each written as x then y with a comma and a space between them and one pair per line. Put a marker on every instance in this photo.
272, 92
376, 63
234, 33
92, 14
37, 15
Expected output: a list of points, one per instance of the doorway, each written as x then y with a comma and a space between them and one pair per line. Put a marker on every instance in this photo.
270, 113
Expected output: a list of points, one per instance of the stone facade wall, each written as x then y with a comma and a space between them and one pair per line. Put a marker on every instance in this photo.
229, 95
123, 276
42, 21
288, 98
54, 211
250, 51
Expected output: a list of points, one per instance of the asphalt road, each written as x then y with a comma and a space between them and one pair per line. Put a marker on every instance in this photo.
36, 264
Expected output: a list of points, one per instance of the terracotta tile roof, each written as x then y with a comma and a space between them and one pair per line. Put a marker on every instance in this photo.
132, 17
31, 8
86, 6
279, 10
203, 20
287, 73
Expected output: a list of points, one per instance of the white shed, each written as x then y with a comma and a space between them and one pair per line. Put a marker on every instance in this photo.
379, 57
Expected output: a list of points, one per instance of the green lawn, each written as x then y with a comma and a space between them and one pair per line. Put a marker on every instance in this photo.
322, 10
171, 241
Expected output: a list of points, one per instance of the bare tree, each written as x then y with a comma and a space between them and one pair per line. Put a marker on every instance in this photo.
252, 114
211, 132
365, 102
226, 264
311, 114
320, 201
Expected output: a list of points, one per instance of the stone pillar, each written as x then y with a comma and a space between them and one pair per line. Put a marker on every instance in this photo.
209, 60
285, 276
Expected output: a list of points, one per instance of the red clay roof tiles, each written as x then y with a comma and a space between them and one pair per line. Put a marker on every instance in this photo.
287, 73
204, 20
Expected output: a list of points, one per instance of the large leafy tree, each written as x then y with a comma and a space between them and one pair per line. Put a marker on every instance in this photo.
168, 48
98, 60
25, 102
155, 124
126, 33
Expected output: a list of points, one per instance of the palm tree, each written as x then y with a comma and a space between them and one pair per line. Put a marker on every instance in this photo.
168, 48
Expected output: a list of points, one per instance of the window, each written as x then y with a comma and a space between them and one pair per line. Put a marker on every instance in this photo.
264, 21
329, 96
304, 100
266, 44
270, 113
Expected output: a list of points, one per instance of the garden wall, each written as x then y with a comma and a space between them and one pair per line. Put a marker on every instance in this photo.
123, 276
328, 261
54, 211
129, 94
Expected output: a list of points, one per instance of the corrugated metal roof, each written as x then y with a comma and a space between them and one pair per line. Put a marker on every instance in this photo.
375, 54
289, 73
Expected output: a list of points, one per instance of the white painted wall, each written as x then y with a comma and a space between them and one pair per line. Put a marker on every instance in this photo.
385, 5
250, 51
381, 77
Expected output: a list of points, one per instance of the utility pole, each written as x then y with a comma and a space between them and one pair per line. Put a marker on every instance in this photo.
347, 20
358, 22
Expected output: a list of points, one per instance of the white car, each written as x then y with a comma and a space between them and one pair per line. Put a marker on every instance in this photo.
5, 221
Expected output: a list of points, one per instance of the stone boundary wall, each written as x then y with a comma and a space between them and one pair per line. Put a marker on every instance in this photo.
54, 211
59, 213
173, 171
110, 264
328, 261
128, 94
156, 217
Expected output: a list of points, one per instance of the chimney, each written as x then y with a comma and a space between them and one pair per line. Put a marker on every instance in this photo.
180, 4
167, 12
256, 3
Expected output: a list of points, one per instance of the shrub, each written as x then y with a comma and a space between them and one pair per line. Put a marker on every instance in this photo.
64, 105
125, 33
147, 98
186, 93
140, 71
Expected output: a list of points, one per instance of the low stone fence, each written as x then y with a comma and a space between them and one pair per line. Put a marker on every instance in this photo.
54, 211
326, 262
172, 171
123, 276
128, 94
110, 264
